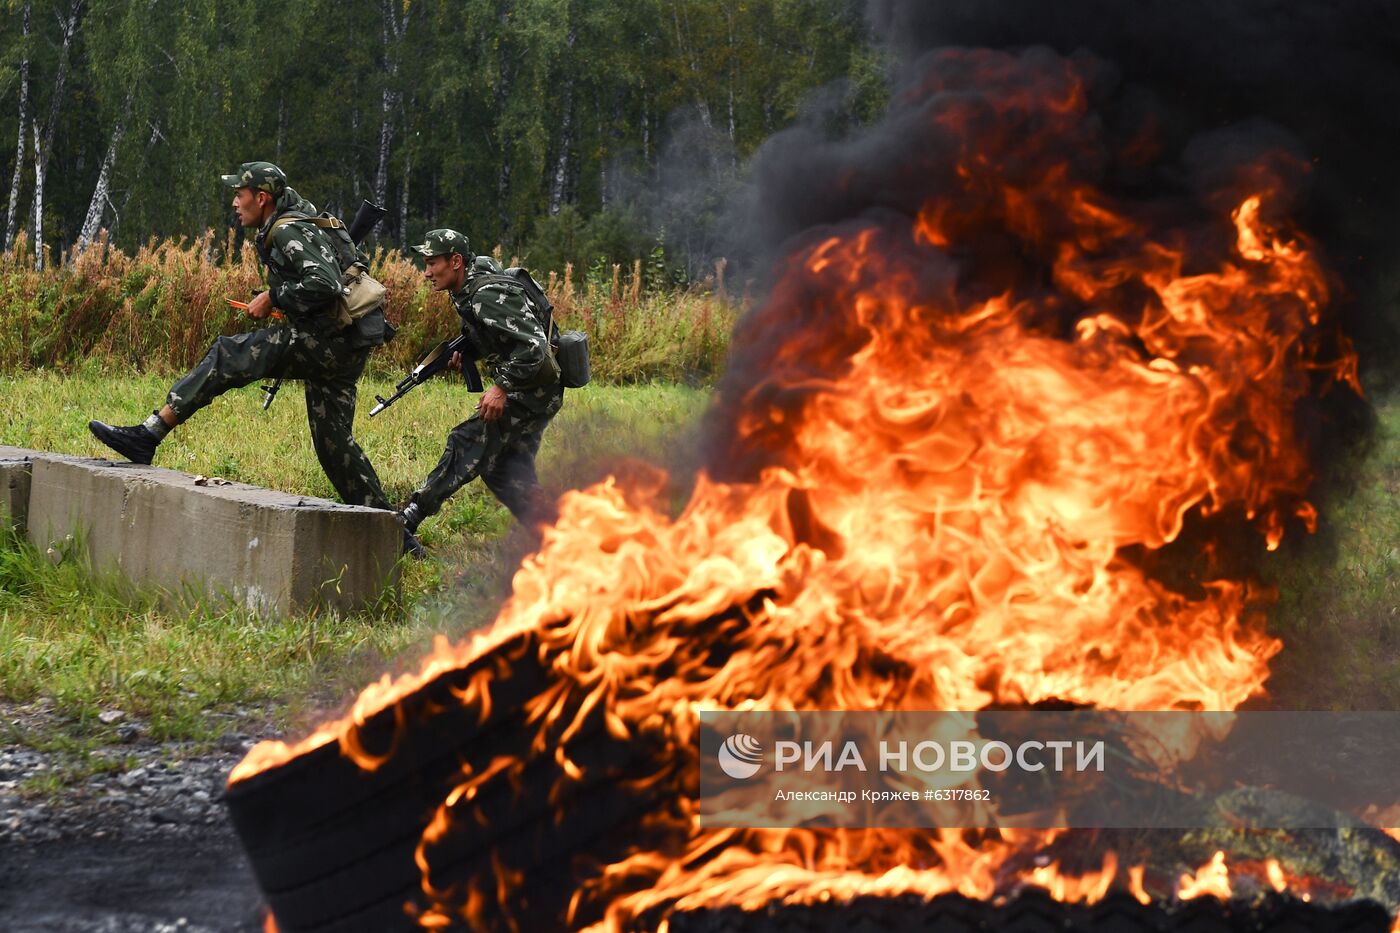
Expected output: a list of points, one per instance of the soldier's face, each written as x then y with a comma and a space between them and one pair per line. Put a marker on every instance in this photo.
250, 206
444, 273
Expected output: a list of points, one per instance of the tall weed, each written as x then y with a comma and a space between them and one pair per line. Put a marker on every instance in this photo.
160, 307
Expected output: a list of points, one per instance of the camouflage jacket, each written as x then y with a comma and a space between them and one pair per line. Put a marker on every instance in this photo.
302, 272
512, 342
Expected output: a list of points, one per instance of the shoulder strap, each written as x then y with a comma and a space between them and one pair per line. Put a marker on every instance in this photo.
325, 223
279, 223
479, 282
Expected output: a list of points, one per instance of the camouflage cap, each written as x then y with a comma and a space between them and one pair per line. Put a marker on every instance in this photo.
443, 241
260, 176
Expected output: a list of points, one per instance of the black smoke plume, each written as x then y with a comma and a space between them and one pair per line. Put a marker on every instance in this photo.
1190, 104
1324, 72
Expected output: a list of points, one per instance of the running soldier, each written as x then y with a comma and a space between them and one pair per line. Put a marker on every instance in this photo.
499, 441
304, 282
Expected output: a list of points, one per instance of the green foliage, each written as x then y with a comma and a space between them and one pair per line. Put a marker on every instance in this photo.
608, 238
487, 115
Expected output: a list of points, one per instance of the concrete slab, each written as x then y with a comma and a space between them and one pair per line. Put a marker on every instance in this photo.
16, 467
14, 488
269, 551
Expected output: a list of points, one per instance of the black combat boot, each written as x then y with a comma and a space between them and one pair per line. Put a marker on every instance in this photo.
136, 443
410, 517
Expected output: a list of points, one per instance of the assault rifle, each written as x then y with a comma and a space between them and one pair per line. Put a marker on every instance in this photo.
364, 221
432, 363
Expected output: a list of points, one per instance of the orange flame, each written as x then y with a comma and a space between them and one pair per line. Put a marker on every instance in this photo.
1212, 879
1276, 875
959, 504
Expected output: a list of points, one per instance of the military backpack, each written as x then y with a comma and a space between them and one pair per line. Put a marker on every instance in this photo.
569, 348
360, 293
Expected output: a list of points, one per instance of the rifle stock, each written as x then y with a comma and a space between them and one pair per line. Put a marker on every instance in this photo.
365, 219
432, 363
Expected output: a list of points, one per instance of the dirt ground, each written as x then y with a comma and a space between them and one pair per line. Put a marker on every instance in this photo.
140, 845
111, 885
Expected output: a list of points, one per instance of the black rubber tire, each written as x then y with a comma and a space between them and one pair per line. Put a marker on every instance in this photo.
333, 846
1036, 912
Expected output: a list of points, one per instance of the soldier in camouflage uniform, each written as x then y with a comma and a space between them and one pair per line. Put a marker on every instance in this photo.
500, 440
303, 275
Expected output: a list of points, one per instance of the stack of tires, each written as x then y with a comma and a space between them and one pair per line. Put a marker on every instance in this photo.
332, 845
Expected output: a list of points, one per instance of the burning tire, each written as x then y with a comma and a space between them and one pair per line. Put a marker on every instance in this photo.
333, 845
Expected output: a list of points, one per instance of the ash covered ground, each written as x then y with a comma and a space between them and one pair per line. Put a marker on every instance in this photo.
144, 847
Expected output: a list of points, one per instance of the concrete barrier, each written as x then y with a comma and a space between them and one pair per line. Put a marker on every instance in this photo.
269, 551
16, 467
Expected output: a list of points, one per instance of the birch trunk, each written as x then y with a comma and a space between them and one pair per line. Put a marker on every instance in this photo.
386, 131
701, 105
354, 134
11, 211
602, 154
403, 200
386, 136
69, 28
558, 188
100, 194
393, 29
38, 204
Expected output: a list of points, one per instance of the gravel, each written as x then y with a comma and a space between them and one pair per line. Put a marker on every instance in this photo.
141, 846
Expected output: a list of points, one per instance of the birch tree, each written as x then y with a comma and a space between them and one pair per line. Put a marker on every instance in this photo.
101, 192
38, 203
499, 117
67, 29
565, 139
11, 209
394, 27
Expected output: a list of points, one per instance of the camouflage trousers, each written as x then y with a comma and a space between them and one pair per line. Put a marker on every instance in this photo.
329, 367
502, 453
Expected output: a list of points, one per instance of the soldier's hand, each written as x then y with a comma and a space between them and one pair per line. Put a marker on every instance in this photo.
261, 306
492, 404
456, 361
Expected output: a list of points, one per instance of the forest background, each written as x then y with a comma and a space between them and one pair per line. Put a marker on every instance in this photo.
566, 131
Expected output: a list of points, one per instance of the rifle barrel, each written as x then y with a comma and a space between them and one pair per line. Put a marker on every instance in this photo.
383, 404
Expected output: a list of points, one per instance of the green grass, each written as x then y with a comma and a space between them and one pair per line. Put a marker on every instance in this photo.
1338, 611
235, 439
90, 642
